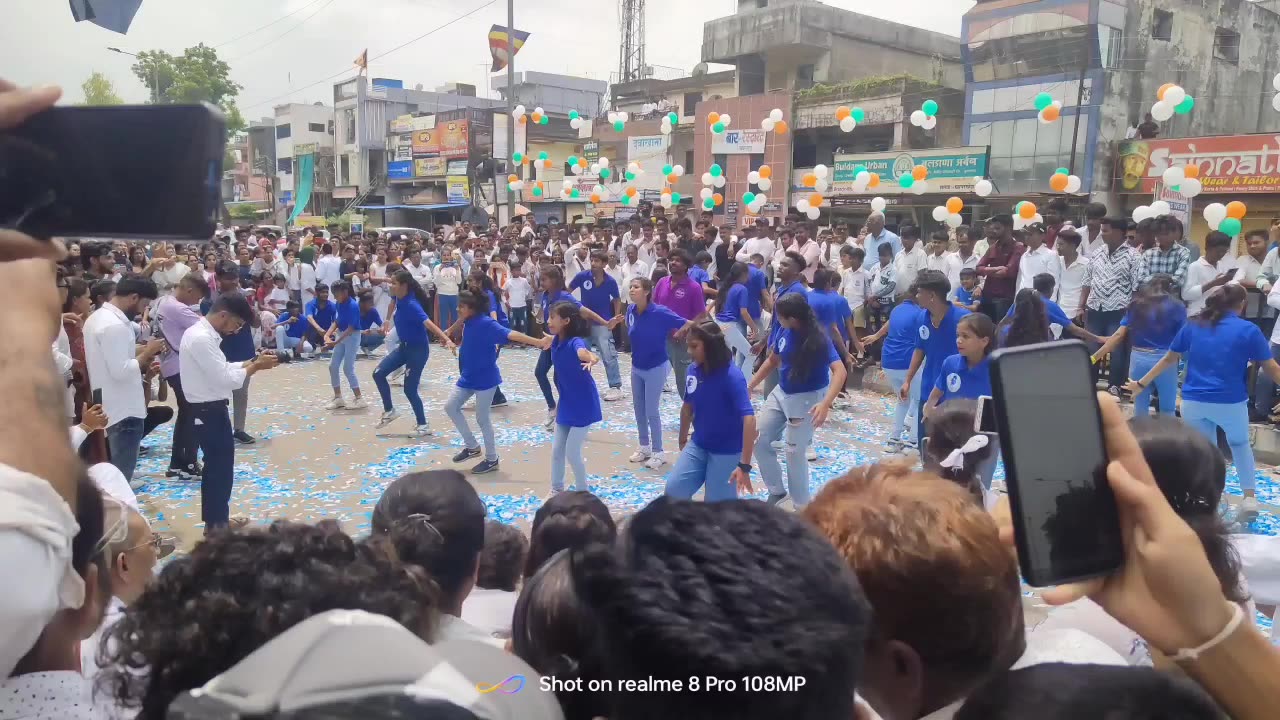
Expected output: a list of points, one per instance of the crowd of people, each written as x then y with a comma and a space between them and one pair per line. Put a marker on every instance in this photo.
891, 593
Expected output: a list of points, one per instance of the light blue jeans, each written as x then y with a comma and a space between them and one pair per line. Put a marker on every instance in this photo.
484, 398
785, 424
344, 356
284, 342
905, 413
568, 445
1233, 418
646, 396
602, 339
696, 467
736, 338
1141, 360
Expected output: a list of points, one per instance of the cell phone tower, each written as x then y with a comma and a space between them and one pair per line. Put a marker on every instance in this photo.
631, 49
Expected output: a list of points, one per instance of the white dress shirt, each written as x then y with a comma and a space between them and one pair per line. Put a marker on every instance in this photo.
906, 266
1087, 242
1072, 281
206, 374
1039, 261
631, 271
1248, 269
110, 353
763, 246
644, 251
329, 270
420, 272
1199, 273
855, 287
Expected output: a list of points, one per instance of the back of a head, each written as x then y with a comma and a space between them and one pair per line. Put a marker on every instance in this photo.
737, 590
568, 520
503, 556
1059, 691
435, 519
949, 428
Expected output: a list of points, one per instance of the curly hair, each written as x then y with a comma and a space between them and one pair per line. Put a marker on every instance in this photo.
236, 590
1027, 324
502, 558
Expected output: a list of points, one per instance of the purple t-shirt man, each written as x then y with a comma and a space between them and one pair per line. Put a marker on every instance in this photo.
684, 297
174, 318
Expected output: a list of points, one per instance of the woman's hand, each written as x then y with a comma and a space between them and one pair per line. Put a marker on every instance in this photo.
819, 414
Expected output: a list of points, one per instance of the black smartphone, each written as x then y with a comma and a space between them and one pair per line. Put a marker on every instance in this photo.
152, 171
1064, 514
97, 397
985, 420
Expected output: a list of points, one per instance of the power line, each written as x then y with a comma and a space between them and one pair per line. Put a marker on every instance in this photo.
286, 32
264, 27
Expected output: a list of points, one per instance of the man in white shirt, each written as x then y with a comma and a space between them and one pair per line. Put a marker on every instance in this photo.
809, 250
328, 267
1091, 234
1037, 259
208, 381
1211, 270
964, 258
168, 270
1072, 289
761, 244
419, 269
116, 366
909, 261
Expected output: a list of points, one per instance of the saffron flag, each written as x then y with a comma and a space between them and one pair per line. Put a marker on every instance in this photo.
362, 61
504, 44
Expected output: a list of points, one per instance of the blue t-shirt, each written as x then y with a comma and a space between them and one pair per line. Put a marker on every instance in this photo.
900, 341
579, 401
787, 346
964, 297
697, 273
775, 327
548, 300
238, 347
734, 303
938, 343
1217, 358
496, 308
370, 318
478, 356
757, 282
409, 319
323, 315
348, 314
831, 309
649, 331
716, 398
1058, 320
597, 296
1157, 331
958, 380
297, 330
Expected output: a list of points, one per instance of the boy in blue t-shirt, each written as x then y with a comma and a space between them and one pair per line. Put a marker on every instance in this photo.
967, 295
371, 334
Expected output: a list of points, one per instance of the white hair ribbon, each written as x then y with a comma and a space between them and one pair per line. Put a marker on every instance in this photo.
955, 460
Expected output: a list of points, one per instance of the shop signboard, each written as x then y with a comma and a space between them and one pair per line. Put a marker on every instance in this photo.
425, 142
402, 147
739, 142
951, 170
457, 189
457, 167
650, 153
402, 124
400, 170
1234, 164
454, 137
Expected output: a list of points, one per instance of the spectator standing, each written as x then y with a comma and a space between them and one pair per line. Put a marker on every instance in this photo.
1073, 285
878, 235
909, 261
1038, 258
999, 267
1169, 256
682, 295
1114, 277
174, 315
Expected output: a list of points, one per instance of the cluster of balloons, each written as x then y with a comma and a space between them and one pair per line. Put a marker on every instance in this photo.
850, 117
630, 196
982, 187
514, 183
1025, 213
950, 213
618, 120
927, 116
672, 173
1275, 101
916, 181
762, 178
544, 161
1170, 99
568, 191
1183, 179
539, 189
864, 179
668, 196
1064, 181
1225, 218
714, 176
633, 171
576, 121
774, 123
577, 164
718, 122
601, 167
1155, 210
817, 181
1050, 110
538, 117
669, 122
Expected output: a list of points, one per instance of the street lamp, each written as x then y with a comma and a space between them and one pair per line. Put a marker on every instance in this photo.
155, 74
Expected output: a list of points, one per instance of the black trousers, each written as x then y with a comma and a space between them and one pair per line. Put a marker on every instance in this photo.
184, 438
213, 433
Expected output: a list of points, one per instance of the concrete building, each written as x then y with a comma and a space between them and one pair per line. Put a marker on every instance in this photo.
262, 162
554, 93
302, 129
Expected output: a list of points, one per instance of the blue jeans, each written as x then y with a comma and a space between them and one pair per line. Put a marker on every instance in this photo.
285, 343
413, 357
344, 356
123, 439
1141, 360
1264, 394
213, 433
906, 408
1233, 418
602, 339
646, 396
484, 398
568, 447
696, 467
448, 310
541, 371
1104, 324
785, 424
678, 352
369, 342
519, 319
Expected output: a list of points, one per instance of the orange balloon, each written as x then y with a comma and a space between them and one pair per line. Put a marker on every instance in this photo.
1028, 210
954, 205
843, 112
547, 164
524, 119
1191, 171
919, 172
1058, 183
718, 198
1163, 88
1051, 113
595, 198
874, 181
780, 127
809, 180
1236, 209
815, 200
765, 171
672, 178
713, 118
512, 178
631, 191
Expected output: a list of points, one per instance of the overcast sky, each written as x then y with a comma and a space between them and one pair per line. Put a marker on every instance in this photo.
39, 42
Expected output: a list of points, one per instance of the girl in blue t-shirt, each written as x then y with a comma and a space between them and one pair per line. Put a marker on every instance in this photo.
411, 352
579, 406
967, 373
810, 376
1153, 321
648, 325
1219, 345
1027, 322
733, 315
719, 456
899, 335
554, 291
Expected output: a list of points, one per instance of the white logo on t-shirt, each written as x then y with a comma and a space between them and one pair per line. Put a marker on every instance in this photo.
631, 321
690, 384
1056, 329
953, 382
587, 285
678, 292
924, 332
782, 344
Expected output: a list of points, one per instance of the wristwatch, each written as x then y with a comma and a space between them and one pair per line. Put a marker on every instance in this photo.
745, 467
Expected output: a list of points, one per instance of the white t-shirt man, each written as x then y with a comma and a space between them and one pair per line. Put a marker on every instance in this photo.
518, 291
1036, 262
906, 266
1199, 273
1074, 278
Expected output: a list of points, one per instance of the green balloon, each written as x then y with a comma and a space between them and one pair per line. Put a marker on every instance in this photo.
748, 197
718, 128
930, 107
545, 120
1062, 171
619, 126
537, 191
1230, 226
604, 173
1018, 207
575, 193
518, 158
859, 168
716, 171
626, 199
630, 176
905, 180
709, 204
1043, 100
543, 156
573, 115
1185, 106
573, 160
667, 170
674, 118
675, 198
858, 114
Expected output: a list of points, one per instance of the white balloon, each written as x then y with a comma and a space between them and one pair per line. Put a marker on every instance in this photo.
820, 186
666, 201
918, 117
1191, 187
1019, 222
575, 123
1275, 82
1275, 103
878, 204
666, 129
767, 125
726, 120
920, 187
706, 178
1043, 120
862, 178
567, 184
753, 177
983, 188
1174, 95
520, 109
955, 219
1160, 207
929, 122
1161, 111
761, 199
1037, 218
634, 168
1142, 212
1215, 213
598, 190
678, 170
577, 169
706, 193
859, 187
539, 111
1073, 184
848, 124
820, 171
940, 213
813, 213
776, 114
622, 116
1174, 175
603, 162
718, 181
803, 205
765, 183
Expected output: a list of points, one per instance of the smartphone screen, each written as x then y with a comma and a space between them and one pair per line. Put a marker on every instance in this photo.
1065, 519
150, 171
985, 422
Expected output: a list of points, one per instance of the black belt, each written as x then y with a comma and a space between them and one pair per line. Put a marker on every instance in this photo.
211, 403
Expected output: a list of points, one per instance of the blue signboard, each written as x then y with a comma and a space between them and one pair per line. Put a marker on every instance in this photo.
400, 170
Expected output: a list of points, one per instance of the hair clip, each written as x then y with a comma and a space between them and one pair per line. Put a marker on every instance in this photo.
426, 520
955, 461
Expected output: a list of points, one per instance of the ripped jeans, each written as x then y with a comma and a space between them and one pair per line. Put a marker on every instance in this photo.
785, 424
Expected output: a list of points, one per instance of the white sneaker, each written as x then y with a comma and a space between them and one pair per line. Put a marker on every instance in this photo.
422, 430
550, 424
655, 462
812, 454
336, 404
641, 455
358, 404
612, 394
387, 418
1249, 509
397, 377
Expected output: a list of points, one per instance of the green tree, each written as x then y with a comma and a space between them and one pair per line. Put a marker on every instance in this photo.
197, 75
98, 90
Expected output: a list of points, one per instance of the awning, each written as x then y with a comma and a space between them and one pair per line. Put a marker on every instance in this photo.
443, 206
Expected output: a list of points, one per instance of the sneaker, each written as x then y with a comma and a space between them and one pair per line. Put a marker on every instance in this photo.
499, 402
136, 485
613, 394
656, 462
358, 404
387, 418
775, 499
179, 473
466, 454
812, 454
1249, 509
397, 377
244, 438
336, 404
422, 430
1116, 393
550, 424
892, 446
485, 467
641, 455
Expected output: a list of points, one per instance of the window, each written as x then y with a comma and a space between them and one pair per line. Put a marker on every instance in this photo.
1226, 45
688, 162
285, 165
804, 77
980, 134
1162, 25
316, 127
349, 119
283, 131
691, 101
1109, 46
344, 170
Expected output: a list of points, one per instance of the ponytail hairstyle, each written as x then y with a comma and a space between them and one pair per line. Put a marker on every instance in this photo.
981, 325
435, 520
578, 325
404, 277
948, 429
476, 302
1029, 324
1220, 301
737, 275
812, 350
567, 520
1151, 297
716, 350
